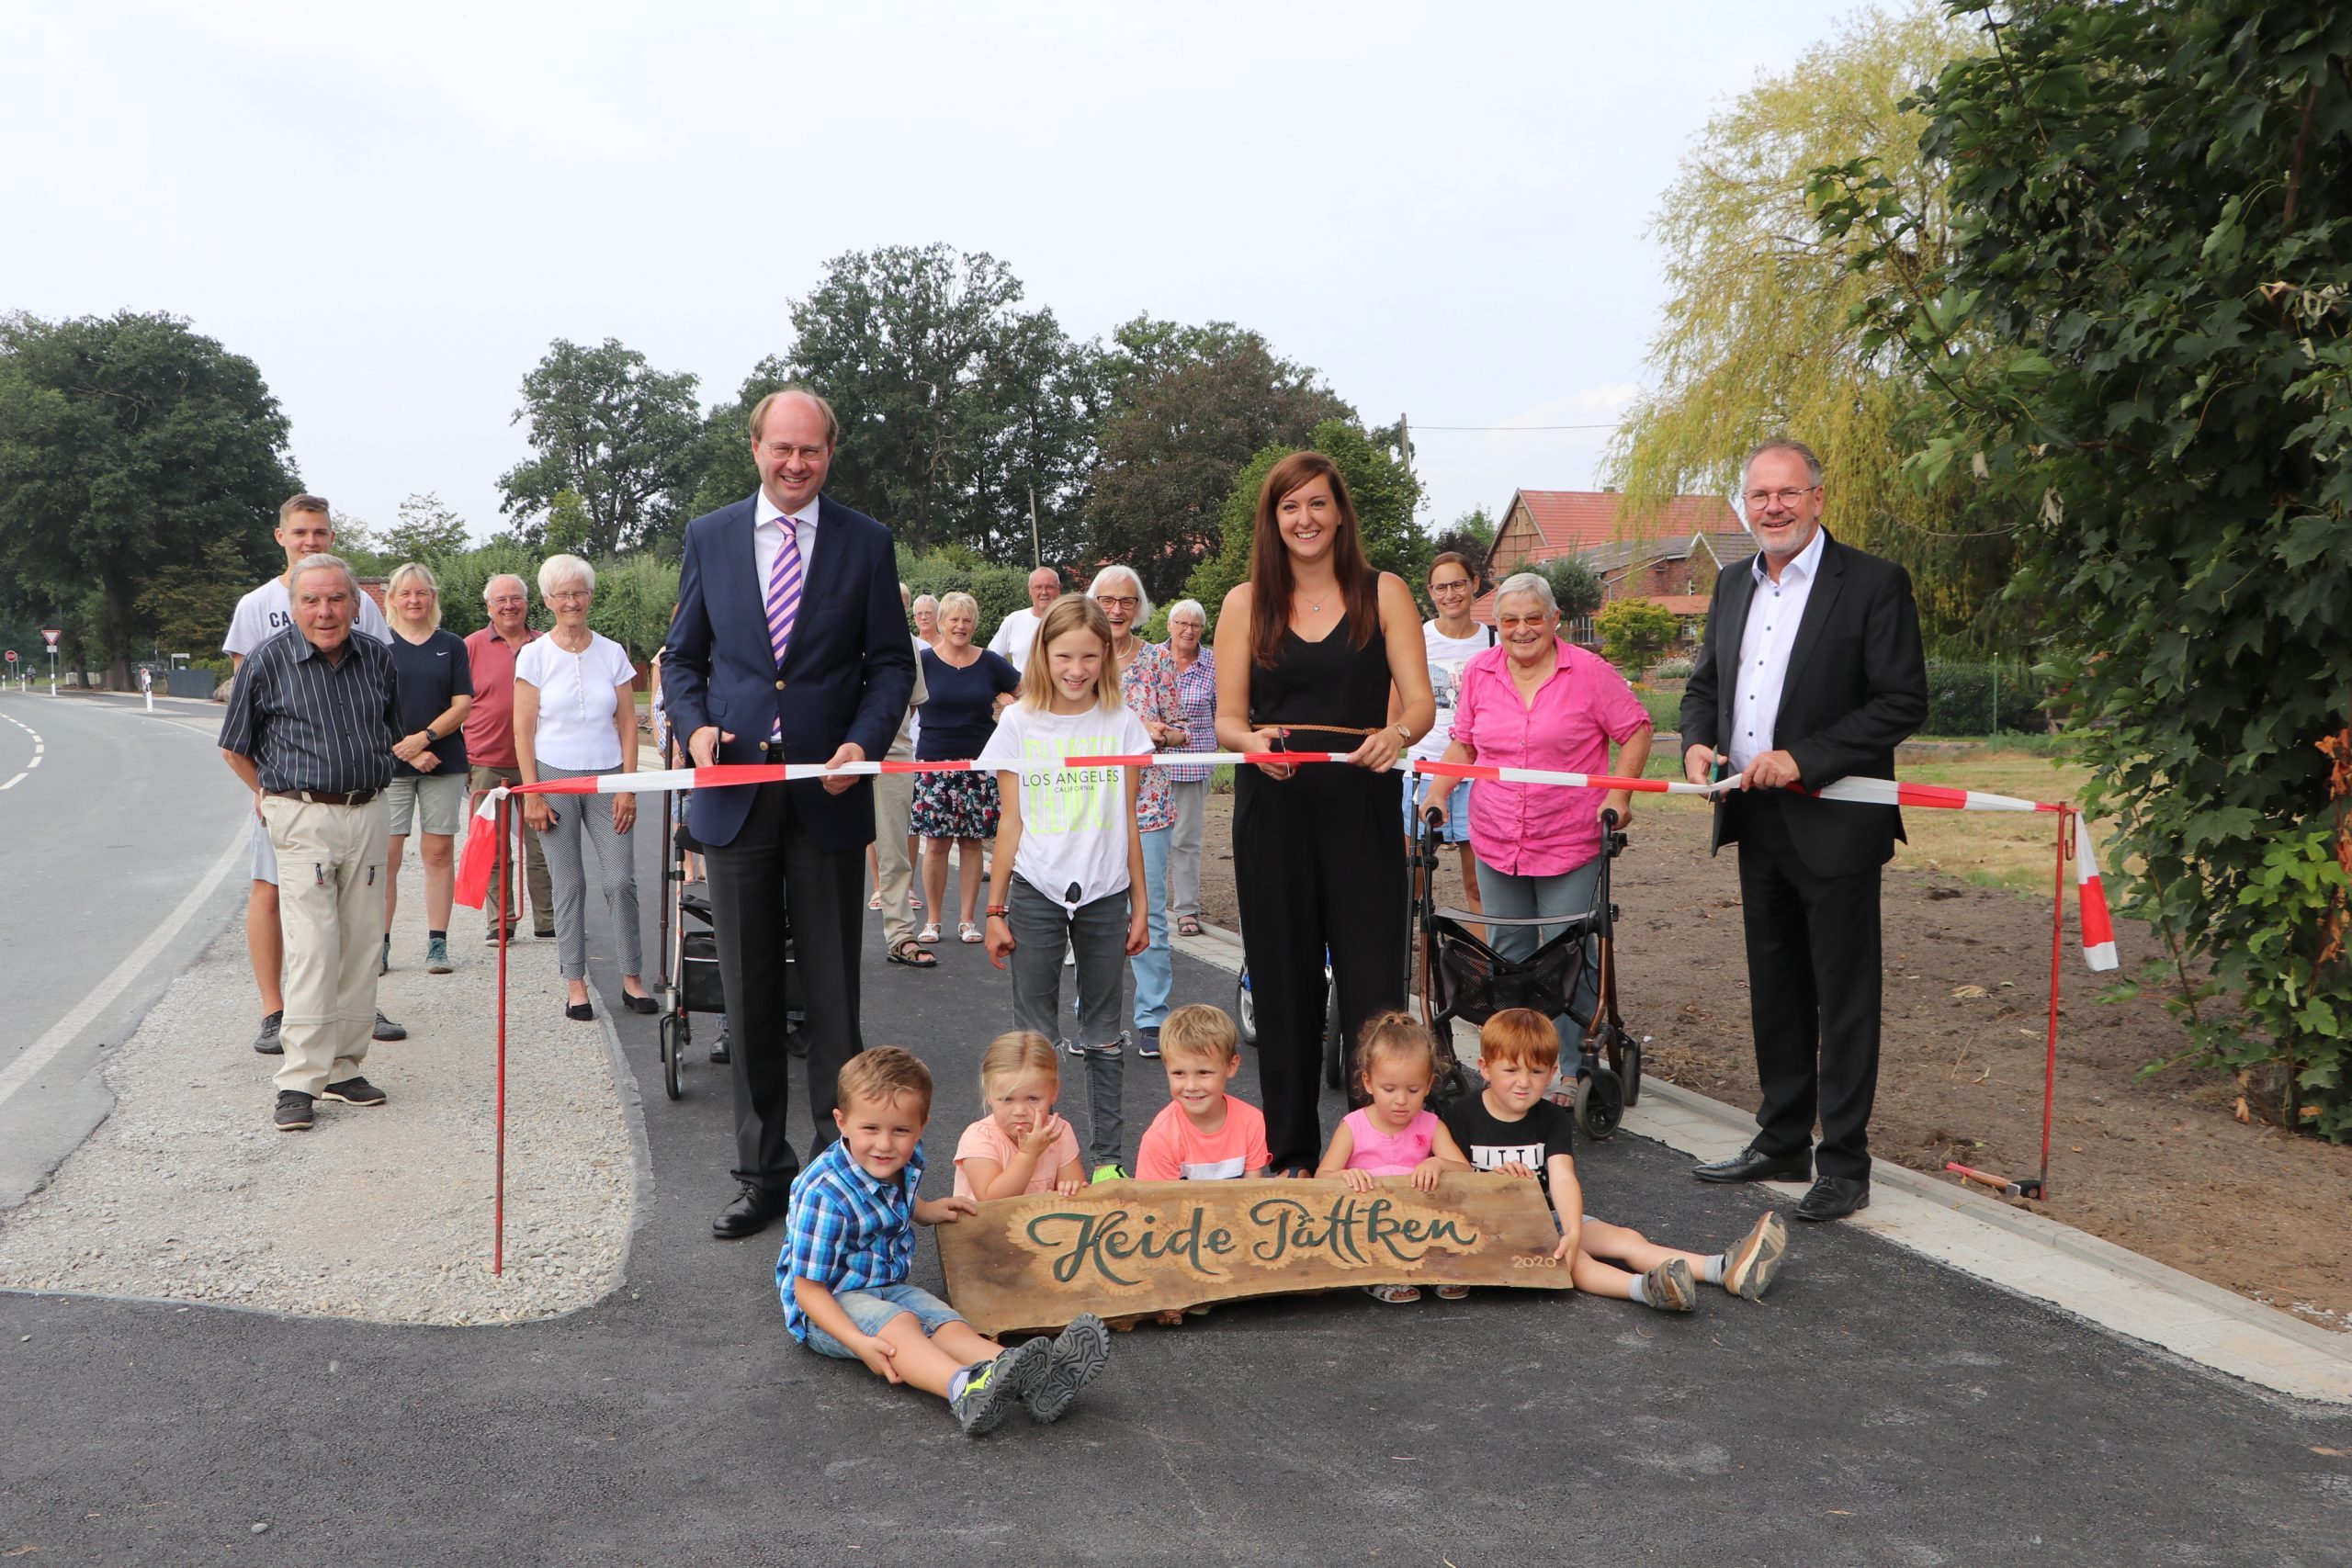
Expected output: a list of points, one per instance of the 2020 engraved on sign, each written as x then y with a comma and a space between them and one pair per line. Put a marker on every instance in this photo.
1126, 1248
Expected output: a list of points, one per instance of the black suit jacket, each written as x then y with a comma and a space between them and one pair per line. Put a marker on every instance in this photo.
1856, 687
847, 674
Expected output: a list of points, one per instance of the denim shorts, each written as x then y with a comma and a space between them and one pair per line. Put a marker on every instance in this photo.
1458, 809
873, 1307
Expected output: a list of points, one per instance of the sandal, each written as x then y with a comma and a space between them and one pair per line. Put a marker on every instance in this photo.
1394, 1295
967, 932
928, 935
1186, 925
908, 953
1453, 1293
875, 902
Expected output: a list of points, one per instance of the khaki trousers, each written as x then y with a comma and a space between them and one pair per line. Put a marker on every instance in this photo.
894, 802
480, 780
331, 911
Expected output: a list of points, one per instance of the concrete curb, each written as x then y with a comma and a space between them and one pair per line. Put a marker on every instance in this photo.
2020, 1251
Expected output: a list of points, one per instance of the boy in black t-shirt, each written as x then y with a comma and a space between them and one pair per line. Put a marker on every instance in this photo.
1510, 1127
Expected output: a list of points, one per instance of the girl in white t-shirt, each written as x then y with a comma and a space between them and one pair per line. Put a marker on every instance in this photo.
1069, 866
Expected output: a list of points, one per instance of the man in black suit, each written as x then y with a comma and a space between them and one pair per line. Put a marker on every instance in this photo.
789, 645
1810, 671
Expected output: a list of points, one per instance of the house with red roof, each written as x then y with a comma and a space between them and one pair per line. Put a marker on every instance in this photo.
1668, 554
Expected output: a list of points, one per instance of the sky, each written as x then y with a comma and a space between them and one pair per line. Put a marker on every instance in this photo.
394, 211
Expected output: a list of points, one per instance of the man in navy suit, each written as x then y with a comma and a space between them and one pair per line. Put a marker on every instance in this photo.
1810, 671
789, 645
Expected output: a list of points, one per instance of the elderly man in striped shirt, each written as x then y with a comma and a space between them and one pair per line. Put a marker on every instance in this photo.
311, 728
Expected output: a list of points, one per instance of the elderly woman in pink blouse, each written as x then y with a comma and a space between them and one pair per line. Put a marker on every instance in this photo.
1535, 701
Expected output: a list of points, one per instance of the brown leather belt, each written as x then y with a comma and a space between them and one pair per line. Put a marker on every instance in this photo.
327, 796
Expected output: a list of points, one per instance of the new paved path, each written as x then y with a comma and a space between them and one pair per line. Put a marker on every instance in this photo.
1878, 1410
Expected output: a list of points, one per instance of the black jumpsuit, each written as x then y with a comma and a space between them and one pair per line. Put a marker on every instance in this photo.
1317, 862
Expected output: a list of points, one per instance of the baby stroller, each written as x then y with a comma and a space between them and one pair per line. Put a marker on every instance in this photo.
1575, 973
689, 949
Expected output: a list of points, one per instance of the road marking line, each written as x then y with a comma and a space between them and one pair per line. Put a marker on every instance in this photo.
12, 783
41, 1052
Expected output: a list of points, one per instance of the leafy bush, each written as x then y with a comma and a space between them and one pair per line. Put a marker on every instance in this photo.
1983, 699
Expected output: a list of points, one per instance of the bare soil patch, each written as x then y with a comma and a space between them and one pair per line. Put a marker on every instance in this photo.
2157, 1164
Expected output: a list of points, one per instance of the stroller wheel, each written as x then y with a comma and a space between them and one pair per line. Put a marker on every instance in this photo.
1245, 1011
1600, 1103
673, 1054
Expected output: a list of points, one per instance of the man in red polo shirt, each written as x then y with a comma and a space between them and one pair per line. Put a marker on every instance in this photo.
489, 739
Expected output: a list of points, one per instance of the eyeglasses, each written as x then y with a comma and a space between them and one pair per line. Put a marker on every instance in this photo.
806, 453
1117, 602
1758, 500
1460, 585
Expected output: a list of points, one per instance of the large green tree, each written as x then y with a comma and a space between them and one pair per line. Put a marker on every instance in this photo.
131, 445
611, 429
1188, 408
1762, 336
2141, 339
427, 531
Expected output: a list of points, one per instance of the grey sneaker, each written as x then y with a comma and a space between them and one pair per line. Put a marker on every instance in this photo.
1749, 1267
293, 1112
996, 1386
1670, 1287
1073, 1357
267, 1041
387, 1029
437, 955
353, 1091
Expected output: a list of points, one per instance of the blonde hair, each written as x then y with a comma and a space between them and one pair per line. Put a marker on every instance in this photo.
1068, 613
1200, 1030
1017, 1052
305, 502
1394, 1037
884, 1073
1520, 1037
950, 603
420, 571
760, 413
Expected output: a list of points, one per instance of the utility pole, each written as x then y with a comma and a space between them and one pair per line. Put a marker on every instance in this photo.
1036, 551
1405, 440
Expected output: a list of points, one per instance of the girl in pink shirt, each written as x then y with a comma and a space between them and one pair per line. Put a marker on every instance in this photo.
1396, 1134
1019, 1147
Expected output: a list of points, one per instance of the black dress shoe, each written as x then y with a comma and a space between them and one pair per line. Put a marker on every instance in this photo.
719, 1054
748, 1215
579, 1013
1752, 1164
640, 1004
1834, 1198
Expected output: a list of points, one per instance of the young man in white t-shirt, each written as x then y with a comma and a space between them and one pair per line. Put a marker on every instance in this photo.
1017, 633
304, 528
1450, 642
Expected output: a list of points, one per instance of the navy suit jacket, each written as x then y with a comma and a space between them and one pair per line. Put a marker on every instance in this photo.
848, 672
1856, 688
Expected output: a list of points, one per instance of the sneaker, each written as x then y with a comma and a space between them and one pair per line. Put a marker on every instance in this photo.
1453, 1292
489, 937
1073, 1047
384, 958
1072, 1360
994, 1387
719, 1055
353, 1091
1670, 1288
437, 955
1114, 1171
267, 1041
1148, 1043
293, 1112
1394, 1295
1749, 1267
387, 1029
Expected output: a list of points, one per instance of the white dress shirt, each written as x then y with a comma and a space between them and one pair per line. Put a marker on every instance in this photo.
767, 539
1775, 610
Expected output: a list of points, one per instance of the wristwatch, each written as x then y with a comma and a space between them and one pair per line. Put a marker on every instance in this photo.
1404, 734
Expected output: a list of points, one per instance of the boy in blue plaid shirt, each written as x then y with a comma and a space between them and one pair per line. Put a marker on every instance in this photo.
850, 1242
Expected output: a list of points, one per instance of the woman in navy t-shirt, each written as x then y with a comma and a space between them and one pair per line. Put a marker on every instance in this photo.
969, 688
428, 788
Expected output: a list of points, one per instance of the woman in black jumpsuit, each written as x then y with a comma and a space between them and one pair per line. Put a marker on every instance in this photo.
1307, 651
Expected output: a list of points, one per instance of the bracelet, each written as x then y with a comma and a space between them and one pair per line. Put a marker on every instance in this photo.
997, 911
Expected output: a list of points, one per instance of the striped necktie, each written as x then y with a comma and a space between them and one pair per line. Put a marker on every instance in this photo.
783, 592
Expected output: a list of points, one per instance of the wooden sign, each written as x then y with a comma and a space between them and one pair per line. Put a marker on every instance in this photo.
1121, 1248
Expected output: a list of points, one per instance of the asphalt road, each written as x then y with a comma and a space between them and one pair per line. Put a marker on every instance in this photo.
1877, 1410
119, 861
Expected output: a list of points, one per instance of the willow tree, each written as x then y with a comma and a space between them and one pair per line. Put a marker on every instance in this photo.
1763, 334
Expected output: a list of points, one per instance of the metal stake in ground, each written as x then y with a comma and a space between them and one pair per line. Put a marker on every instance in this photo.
498, 1199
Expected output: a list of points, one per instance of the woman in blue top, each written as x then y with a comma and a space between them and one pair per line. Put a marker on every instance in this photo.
428, 788
969, 686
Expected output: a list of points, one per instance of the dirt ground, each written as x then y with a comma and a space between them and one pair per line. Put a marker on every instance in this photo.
2156, 1164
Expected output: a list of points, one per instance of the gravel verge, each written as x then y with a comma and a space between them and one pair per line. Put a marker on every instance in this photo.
186, 1192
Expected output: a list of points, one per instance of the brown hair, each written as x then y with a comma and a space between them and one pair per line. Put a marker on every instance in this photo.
1071, 612
1016, 1052
1269, 573
1398, 1037
305, 502
760, 413
1520, 1037
884, 1073
1450, 558
1200, 1030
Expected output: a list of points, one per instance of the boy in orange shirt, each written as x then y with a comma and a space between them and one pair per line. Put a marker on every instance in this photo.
1204, 1134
